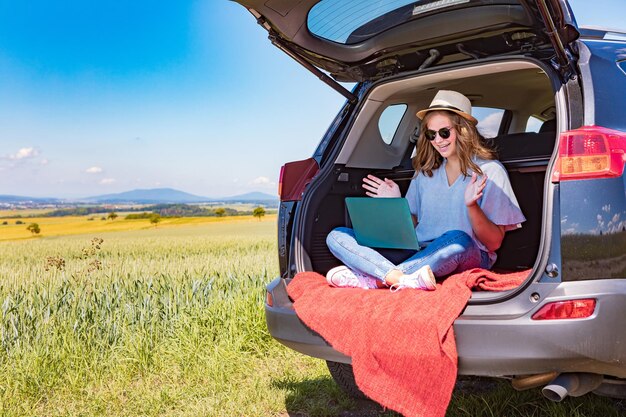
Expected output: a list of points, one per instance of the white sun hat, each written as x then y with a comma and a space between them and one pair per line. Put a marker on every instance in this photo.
450, 101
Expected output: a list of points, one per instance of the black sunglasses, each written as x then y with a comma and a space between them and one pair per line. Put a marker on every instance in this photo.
444, 133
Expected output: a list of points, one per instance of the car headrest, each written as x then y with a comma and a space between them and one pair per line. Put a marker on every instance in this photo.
548, 126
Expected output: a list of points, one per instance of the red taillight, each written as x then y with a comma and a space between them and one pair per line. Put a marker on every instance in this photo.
294, 177
590, 152
570, 309
269, 300
280, 181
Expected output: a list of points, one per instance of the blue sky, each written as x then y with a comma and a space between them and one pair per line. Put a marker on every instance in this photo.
101, 97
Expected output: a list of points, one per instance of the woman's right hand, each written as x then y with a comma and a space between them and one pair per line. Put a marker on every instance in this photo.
375, 187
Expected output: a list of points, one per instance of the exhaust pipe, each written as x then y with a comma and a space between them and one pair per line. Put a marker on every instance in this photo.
525, 382
574, 385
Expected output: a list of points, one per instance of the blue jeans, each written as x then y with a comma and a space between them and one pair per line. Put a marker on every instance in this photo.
454, 251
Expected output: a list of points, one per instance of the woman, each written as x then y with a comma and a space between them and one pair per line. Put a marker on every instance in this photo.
460, 198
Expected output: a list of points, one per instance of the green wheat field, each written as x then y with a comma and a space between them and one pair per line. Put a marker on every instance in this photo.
168, 321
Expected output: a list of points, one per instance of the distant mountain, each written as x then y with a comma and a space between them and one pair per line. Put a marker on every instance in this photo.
170, 195
145, 196
249, 198
18, 199
150, 196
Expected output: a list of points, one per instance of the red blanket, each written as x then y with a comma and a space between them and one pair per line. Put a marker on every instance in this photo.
401, 344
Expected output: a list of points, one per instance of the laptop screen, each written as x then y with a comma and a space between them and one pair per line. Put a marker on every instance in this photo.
382, 222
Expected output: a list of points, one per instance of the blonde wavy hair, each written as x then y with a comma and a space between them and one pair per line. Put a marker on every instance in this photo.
469, 144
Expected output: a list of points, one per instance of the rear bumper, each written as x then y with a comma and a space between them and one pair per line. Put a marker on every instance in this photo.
287, 328
491, 344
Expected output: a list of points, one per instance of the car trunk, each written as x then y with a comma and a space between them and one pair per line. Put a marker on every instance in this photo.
493, 51
523, 87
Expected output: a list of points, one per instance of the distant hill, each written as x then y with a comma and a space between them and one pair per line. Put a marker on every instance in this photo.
149, 196
146, 196
249, 198
170, 195
18, 199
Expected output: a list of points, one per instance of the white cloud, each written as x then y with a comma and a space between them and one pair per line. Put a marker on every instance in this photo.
107, 181
44, 162
93, 170
261, 181
24, 153
260, 184
614, 224
606, 208
619, 227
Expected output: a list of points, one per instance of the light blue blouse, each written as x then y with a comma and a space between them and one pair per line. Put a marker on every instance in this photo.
440, 207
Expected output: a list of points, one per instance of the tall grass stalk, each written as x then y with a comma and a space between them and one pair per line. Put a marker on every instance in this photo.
153, 323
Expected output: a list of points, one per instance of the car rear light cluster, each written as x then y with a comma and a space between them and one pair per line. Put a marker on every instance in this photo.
280, 181
590, 152
294, 177
570, 309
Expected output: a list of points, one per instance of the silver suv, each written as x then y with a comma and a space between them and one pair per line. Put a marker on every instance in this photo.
550, 94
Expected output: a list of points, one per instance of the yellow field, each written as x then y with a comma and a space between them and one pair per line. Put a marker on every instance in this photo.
23, 212
76, 225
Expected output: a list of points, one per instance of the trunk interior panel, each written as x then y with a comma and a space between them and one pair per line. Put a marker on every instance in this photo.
526, 90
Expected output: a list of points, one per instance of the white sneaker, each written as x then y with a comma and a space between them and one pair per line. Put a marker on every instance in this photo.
422, 279
342, 276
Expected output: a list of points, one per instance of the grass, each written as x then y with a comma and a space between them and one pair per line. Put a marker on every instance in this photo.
610, 245
169, 321
491, 398
152, 322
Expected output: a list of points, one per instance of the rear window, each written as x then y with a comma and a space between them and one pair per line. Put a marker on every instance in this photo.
353, 21
390, 120
489, 120
533, 124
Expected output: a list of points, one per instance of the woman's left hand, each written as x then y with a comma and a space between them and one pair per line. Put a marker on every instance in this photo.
475, 189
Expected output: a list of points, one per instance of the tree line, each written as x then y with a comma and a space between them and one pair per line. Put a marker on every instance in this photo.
164, 210
154, 217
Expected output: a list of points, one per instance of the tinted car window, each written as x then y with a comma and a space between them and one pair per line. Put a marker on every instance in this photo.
390, 120
533, 124
489, 120
352, 21
606, 68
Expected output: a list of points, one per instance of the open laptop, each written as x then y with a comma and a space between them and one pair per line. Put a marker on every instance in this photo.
382, 222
